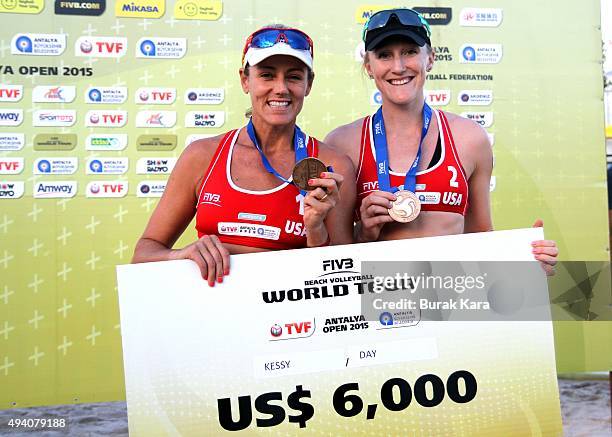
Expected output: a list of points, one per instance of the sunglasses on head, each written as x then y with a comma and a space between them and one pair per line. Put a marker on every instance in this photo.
406, 17
269, 36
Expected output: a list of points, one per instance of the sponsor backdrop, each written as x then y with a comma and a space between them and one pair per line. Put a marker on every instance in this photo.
99, 98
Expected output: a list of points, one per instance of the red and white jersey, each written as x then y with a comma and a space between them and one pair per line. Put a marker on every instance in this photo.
443, 187
271, 219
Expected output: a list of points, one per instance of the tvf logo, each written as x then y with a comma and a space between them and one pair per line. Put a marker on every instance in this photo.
292, 330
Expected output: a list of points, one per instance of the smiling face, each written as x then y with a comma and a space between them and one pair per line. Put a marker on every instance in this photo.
278, 86
399, 68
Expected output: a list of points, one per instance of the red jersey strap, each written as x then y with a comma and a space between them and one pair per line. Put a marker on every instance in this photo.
365, 132
447, 132
225, 141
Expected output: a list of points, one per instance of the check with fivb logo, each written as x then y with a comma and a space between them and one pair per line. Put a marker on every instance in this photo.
411, 337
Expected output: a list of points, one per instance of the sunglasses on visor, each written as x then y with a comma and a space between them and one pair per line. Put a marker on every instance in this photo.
268, 37
407, 17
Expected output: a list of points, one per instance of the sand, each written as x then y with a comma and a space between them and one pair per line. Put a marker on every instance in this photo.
585, 406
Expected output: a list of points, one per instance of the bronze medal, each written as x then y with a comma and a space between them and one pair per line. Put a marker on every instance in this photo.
406, 207
307, 168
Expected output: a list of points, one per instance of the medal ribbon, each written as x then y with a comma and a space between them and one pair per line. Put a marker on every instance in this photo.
299, 145
382, 155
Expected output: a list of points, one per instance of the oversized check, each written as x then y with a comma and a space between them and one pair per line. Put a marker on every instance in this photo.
286, 346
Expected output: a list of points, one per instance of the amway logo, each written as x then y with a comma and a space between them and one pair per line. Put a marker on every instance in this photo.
11, 117
62, 189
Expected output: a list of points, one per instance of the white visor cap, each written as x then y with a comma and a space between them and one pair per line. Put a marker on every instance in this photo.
254, 55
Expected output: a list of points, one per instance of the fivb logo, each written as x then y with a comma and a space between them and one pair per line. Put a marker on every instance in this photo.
11, 189
11, 93
53, 94
105, 94
484, 119
58, 189
205, 119
107, 189
56, 117
438, 97
167, 48
107, 118
38, 44
155, 96
101, 46
156, 119
11, 117
338, 265
113, 142
11, 165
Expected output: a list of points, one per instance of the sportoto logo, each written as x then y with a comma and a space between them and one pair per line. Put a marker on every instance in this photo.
205, 119
108, 118
155, 96
55, 117
11, 117
480, 17
53, 94
168, 48
475, 97
11, 93
106, 95
38, 44
480, 53
156, 119
101, 46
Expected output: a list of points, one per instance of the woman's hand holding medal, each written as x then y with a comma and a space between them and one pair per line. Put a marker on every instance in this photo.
322, 186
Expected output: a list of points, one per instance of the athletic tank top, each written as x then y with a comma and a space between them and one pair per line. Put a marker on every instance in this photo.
270, 219
442, 187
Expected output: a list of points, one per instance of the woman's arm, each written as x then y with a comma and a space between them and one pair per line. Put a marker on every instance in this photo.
175, 211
